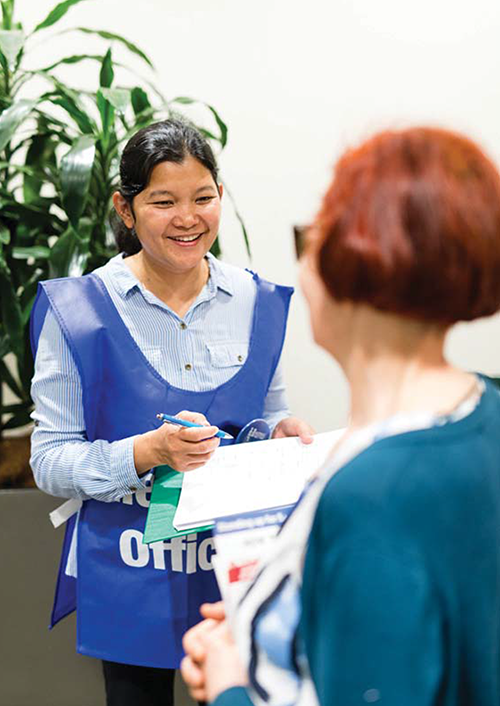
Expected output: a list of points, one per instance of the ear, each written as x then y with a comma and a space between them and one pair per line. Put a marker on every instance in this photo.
221, 190
122, 207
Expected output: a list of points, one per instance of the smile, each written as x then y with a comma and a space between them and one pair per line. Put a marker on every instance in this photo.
185, 238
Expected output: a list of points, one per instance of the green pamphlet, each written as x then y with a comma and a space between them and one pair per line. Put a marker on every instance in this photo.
165, 496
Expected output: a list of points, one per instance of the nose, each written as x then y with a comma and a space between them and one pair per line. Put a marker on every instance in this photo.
185, 217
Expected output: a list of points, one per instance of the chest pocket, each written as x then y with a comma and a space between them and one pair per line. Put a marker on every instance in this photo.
153, 355
229, 354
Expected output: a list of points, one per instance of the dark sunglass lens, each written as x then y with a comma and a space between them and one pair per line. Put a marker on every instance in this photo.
299, 234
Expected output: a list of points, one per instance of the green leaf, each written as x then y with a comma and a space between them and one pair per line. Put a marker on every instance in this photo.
76, 170
11, 43
62, 252
72, 95
215, 249
26, 312
11, 314
12, 408
56, 14
34, 216
140, 100
4, 234
107, 113
118, 97
71, 107
185, 100
11, 118
39, 252
20, 419
70, 254
40, 158
4, 346
207, 133
240, 219
74, 59
7, 13
107, 74
221, 125
7, 377
114, 38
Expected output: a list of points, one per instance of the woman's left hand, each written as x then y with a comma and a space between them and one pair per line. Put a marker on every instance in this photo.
211, 664
222, 667
293, 426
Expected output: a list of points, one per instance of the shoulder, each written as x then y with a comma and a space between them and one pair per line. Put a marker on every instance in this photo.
235, 280
240, 280
400, 483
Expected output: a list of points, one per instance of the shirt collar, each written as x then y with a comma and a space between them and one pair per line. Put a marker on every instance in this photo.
125, 281
218, 276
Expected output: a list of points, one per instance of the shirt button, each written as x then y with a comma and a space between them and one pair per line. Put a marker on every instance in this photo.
240, 358
132, 489
183, 325
188, 366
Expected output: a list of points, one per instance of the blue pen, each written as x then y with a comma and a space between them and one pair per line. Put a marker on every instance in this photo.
183, 423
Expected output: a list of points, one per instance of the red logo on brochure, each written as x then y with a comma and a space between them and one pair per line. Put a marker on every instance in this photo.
245, 572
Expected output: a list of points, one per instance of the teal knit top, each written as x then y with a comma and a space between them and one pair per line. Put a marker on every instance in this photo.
401, 585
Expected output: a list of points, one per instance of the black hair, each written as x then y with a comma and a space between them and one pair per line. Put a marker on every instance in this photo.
166, 141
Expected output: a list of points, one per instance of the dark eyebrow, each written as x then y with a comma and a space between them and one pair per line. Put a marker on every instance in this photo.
210, 187
165, 192
159, 193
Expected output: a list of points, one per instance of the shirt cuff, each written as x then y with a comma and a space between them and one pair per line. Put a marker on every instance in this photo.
235, 696
123, 468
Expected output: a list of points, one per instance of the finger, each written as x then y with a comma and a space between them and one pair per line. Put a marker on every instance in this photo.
195, 417
197, 460
192, 641
199, 695
193, 462
278, 433
306, 434
218, 637
207, 446
192, 674
215, 611
196, 434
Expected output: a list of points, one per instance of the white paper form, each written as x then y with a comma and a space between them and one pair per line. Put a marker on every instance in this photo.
248, 477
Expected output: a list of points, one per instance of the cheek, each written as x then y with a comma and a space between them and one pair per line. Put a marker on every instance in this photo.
313, 291
151, 220
212, 214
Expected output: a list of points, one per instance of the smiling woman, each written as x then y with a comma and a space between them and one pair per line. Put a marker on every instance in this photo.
176, 219
162, 327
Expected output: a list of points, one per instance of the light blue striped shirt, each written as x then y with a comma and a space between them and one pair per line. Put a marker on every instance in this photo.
199, 352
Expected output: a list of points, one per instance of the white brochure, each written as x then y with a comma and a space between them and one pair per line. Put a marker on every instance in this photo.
248, 477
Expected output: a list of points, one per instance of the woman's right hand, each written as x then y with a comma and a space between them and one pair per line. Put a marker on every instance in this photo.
194, 646
182, 448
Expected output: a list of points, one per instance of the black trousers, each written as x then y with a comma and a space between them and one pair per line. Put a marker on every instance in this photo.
128, 685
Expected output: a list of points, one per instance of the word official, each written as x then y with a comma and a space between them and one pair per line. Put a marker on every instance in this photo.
176, 554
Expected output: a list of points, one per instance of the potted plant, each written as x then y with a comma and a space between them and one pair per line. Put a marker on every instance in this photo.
59, 150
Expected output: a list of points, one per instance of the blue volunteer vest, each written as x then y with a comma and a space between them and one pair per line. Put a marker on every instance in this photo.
135, 601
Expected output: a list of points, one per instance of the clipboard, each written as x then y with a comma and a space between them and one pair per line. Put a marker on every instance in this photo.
165, 494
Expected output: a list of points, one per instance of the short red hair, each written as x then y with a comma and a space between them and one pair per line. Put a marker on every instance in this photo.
411, 225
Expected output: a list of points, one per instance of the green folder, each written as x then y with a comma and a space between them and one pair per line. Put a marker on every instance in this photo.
165, 496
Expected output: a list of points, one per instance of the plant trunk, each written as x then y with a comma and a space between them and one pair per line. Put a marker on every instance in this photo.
15, 471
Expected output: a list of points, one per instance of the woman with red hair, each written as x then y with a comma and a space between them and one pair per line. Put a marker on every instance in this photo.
383, 586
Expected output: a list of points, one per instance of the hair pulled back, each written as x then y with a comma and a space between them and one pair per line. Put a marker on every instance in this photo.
167, 141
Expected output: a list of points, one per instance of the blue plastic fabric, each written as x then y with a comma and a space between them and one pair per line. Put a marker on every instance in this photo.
136, 601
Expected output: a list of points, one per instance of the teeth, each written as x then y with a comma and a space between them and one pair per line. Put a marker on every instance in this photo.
188, 239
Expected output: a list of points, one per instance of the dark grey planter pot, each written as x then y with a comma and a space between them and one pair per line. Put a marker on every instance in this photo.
39, 667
